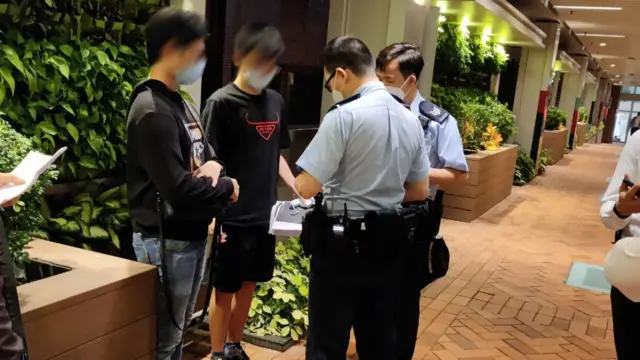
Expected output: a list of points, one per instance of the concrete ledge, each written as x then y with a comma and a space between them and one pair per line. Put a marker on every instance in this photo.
555, 141
490, 181
95, 308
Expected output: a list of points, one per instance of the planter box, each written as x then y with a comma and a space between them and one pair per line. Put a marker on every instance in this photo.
555, 142
581, 134
102, 308
490, 181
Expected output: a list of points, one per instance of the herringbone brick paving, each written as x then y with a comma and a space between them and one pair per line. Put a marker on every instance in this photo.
504, 296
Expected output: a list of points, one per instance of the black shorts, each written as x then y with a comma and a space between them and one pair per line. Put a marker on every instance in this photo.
247, 255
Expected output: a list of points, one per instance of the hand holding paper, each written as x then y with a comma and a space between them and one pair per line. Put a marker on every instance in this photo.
13, 185
9, 179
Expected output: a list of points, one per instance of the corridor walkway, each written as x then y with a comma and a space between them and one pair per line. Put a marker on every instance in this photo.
504, 296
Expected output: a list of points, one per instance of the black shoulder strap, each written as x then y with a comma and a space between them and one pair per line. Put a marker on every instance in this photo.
345, 101
433, 112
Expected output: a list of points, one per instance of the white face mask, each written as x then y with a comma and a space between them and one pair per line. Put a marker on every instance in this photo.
335, 94
397, 91
257, 80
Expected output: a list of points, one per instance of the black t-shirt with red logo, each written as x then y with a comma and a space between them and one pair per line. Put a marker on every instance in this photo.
247, 132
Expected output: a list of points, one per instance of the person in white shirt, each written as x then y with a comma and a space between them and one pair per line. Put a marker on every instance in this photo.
620, 211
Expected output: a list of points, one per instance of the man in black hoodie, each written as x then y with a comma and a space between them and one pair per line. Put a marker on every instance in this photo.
174, 184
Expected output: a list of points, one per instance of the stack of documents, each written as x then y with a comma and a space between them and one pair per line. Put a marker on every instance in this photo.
286, 217
29, 169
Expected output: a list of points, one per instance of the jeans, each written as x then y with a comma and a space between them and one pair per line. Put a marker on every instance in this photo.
185, 263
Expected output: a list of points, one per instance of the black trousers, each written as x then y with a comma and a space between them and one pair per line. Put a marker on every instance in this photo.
346, 292
406, 322
626, 325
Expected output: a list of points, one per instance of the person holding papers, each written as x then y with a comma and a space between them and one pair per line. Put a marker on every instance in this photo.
10, 343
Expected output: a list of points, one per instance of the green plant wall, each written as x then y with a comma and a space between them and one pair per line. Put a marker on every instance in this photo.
464, 64
70, 93
67, 68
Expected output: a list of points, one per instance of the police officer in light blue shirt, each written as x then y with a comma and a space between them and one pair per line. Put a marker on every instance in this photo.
367, 158
399, 66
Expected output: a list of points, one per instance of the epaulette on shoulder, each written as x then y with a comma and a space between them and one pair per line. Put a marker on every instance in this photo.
433, 112
345, 101
401, 102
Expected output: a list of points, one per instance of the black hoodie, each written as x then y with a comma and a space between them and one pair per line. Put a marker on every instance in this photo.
165, 145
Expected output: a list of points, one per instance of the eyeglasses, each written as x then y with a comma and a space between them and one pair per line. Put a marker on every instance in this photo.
326, 84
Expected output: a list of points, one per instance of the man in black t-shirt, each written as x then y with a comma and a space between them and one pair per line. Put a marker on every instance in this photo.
244, 124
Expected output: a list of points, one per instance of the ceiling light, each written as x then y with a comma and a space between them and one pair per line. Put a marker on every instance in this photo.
419, 2
617, 76
603, 44
601, 35
613, 65
600, 8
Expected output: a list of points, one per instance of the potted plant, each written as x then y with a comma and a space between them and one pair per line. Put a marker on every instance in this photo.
555, 134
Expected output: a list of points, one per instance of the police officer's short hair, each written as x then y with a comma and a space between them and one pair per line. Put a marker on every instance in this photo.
173, 24
347, 52
259, 36
408, 55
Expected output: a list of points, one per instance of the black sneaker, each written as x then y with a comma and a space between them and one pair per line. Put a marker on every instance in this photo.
235, 352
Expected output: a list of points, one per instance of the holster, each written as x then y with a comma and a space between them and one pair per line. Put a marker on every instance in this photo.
428, 255
316, 227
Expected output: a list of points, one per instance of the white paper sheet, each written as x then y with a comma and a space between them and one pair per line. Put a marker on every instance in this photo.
29, 169
286, 220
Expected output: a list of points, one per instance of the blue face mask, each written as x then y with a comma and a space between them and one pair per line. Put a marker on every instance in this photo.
189, 75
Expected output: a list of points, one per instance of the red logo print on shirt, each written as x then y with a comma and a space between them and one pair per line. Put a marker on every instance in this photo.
265, 128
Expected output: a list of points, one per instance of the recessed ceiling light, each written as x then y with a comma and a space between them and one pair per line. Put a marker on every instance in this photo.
419, 2
601, 35
603, 44
617, 76
613, 65
600, 8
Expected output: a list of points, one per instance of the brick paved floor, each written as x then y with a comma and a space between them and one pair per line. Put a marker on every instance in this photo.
504, 296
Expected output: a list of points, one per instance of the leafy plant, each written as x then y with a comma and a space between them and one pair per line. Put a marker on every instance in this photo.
545, 160
582, 115
556, 119
452, 98
465, 59
525, 169
23, 219
70, 93
95, 217
280, 306
453, 54
502, 118
591, 132
491, 138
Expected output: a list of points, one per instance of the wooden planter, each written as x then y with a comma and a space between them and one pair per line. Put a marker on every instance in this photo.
490, 181
102, 308
581, 134
555, 141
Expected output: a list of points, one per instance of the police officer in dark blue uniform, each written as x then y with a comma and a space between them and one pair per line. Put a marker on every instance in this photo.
367, 158
399, 66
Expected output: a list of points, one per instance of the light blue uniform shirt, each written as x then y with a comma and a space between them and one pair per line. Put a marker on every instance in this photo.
365, 150
444, 143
